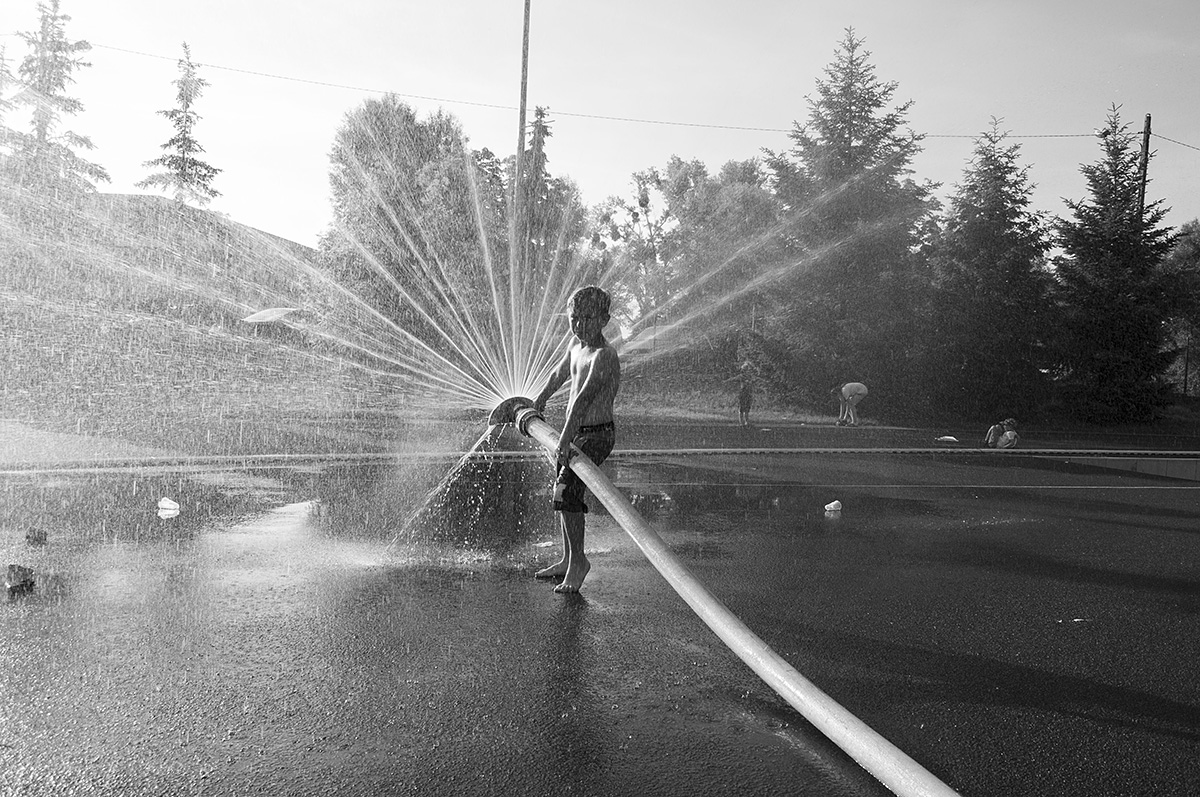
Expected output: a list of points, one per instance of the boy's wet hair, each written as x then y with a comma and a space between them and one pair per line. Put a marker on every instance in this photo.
591, 297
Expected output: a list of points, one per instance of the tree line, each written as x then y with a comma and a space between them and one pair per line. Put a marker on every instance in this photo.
825, 262
46, 158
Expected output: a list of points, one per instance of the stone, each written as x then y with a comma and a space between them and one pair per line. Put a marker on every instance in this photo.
18, 578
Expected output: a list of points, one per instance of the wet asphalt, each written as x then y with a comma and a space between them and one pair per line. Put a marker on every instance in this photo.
1018, 625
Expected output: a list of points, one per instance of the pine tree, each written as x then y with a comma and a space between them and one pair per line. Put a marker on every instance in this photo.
992, 285
857, 217
46, 157
185, 174
553, 213
1114, 294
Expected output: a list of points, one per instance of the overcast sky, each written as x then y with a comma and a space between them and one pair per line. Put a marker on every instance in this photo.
628, 83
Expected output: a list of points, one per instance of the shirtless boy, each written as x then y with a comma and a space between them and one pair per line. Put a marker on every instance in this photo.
594, 371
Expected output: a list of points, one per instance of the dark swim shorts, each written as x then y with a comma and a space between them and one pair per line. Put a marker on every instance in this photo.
597, 442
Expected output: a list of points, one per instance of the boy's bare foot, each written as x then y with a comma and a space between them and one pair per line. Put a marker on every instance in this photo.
552, 571
575, 575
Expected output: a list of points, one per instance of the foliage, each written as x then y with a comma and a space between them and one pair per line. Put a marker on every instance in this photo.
6, 79
1183, 264
991, 305
854, 220
724, 246
392, 180
188, 177
630, 236
1114, 295
45, 158
554, 215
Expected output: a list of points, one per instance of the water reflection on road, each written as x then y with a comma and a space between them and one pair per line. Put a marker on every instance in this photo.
266, 637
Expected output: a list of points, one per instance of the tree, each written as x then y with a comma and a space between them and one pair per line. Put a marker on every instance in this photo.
418, 245
991, 298
45, 157
553, 225
855, 221
1114, 294
388, 168
723, 245
1183, 264
185, 174
631, 235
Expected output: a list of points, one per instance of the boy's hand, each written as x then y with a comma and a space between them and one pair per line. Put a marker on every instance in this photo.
563, 454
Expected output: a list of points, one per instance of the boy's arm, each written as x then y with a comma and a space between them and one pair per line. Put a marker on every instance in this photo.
553, 383
598, 375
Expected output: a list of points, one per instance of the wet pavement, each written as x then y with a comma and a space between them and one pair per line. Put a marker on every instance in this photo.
1017, 625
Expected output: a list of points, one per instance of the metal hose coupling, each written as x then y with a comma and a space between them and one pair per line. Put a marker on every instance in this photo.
516, 410
524, 416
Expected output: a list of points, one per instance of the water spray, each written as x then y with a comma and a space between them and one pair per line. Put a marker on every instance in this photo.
894, 768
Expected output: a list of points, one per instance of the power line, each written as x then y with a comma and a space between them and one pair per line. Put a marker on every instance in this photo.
632, 120
1173, 141
308, 81
1013, 135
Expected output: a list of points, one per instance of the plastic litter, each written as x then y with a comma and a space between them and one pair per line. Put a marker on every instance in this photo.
946, 438
833, 506
167, 503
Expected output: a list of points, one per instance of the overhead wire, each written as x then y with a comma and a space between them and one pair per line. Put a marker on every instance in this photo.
573, 114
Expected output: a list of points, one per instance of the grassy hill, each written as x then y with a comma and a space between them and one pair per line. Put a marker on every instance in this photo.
122, 316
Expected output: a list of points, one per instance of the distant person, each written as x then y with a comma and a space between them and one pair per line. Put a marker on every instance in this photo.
849, 394
745, 381
1003, 434
745, 400
594, 371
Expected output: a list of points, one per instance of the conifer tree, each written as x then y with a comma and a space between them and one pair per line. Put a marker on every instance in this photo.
857, 219
992, 287
554, 215
1114, 294
188, 177
46, 157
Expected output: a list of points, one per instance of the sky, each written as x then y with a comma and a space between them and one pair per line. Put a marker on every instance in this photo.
628, 84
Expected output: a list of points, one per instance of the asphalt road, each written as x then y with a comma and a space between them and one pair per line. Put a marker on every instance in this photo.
1017, 625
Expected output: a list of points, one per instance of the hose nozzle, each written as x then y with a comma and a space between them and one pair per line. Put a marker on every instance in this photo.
506, 411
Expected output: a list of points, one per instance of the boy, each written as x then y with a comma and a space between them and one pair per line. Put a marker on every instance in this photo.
594, 371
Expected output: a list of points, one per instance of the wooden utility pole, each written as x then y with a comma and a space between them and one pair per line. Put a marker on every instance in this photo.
518, 222
1142, 168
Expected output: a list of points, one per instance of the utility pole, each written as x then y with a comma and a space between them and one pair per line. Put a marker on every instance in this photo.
1142, 168
518, 222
